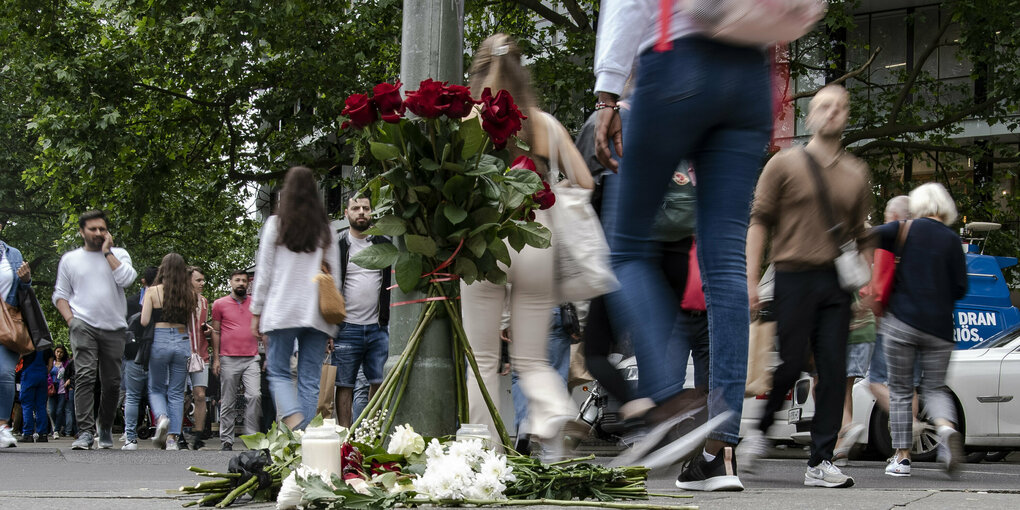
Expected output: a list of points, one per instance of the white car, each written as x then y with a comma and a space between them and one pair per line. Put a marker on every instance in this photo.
984, 381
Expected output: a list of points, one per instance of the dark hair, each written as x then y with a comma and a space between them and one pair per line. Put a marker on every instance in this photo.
195, 269
94, 214
149, 274
304, 225
237, 272
60, 348
179, 297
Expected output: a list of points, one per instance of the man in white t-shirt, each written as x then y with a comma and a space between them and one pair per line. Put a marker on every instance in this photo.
363, 340
89, 294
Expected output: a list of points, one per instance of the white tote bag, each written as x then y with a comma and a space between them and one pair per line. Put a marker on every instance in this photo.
582, 254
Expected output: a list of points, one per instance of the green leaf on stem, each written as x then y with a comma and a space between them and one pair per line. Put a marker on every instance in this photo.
407, 270
388, 225
420, 244
490, 190
384, 151
458, 188
515, 238
377, 256
496, 276
484, 215
521, 144
477, 245
428, 164
497, 247
483, 169
317, 421
524, 181
535, 234
514, 199
454, 213
466, 269
473, 136
482, 228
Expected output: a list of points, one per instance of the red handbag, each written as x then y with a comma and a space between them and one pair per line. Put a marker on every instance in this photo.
884, 271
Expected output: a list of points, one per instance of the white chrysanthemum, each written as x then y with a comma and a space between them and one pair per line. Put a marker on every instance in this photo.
488, 487
494, 465
469, 451
434, 451
404, 441
290, 493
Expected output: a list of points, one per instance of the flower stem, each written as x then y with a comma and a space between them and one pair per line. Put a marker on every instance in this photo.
572, 461
677, 496
549, 502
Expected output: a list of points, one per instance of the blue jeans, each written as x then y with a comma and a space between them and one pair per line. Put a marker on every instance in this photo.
56, 408
559, 359
33, 407
363, 347
135, 379
289, 399
8, 362
168, 371
708, 103
360, 399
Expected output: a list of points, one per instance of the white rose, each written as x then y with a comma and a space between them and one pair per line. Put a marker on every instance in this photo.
404, 441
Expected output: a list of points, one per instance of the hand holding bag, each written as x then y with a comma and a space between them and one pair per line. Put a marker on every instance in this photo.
13, 332
582, 254
851, 268
331, 302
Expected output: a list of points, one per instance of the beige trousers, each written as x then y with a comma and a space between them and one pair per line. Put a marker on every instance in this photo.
531, 301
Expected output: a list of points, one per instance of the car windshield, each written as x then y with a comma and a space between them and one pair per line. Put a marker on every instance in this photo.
998, 340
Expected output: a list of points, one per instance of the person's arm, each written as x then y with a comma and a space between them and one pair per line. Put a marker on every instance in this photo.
756, 235
265, 262
65, 309
62, 292
619, 35
571, 158
215, 342
24, 275
147, 307
120, 262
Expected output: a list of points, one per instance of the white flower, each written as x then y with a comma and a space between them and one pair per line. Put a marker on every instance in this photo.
434, 451
487, 487
290, 493
404, 441
494, 465
468, 451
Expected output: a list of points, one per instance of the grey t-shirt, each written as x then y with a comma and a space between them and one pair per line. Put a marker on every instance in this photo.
361, 288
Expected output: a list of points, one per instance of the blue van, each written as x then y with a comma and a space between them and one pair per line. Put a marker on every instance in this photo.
986, 309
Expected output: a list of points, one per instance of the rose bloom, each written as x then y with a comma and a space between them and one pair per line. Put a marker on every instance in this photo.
458, 100
387, 98
500, 117
525, 163
360, 109
404, 441
425, 102
544, 198
350, 462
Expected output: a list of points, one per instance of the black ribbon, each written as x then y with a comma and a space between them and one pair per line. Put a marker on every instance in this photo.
252, 464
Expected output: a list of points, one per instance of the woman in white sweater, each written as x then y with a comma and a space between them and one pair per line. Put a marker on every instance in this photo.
295, 243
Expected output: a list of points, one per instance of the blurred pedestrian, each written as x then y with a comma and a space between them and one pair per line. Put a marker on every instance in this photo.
198, 335
89, 294
168, 306
35, 423
811, 201
14, 274
57, 405
135, 376
860, 345
930, 277
706, 102
497, 65
363, 342
236, 359
295, 244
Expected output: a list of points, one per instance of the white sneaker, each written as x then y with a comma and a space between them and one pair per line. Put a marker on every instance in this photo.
162, 427
841, 455
171, 444
898, 467
56, 436
950, 449
751, 448
130, 445
826, 475
7, 439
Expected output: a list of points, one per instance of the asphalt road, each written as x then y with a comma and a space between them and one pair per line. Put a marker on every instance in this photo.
54, 477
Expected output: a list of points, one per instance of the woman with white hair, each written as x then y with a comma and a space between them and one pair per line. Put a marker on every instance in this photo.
930, 277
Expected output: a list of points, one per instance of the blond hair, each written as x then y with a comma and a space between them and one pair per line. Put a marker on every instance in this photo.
497, 65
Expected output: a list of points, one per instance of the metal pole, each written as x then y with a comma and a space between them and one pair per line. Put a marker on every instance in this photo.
432, 47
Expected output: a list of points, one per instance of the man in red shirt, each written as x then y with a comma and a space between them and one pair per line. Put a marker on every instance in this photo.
237, 359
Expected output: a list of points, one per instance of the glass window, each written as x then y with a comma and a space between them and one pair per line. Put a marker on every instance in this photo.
951, 63
926, 25
888, 31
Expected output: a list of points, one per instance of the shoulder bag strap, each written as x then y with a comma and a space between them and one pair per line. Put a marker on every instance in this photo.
823, 200
554, 150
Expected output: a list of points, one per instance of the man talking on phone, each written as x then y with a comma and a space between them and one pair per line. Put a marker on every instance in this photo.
89, 294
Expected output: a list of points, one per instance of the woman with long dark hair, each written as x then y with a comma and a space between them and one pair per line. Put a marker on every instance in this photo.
296, 242
58, 401
168, 306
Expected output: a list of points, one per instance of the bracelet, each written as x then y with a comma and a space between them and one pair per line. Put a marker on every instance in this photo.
107, 253
602, 106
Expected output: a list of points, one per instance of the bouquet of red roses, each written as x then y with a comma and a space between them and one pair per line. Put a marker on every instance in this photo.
441, 182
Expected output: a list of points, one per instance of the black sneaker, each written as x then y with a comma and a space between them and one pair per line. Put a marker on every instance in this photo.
719, 475
196, 442
43, 438
227, 447
26, 438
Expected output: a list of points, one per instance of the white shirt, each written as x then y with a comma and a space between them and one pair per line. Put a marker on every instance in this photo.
627, 28
6, 276
361, 289
94, 291
285, 293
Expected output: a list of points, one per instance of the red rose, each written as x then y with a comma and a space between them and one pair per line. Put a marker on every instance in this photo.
379, 468
530, 216
350, 462
525, 163
387, 98
360, 110
458, 100
544, 198
425, 102
500, 117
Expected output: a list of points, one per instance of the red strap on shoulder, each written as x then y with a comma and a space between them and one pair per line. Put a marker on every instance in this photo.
665, 15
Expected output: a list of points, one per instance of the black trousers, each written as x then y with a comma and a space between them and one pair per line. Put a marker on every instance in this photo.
812, 316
